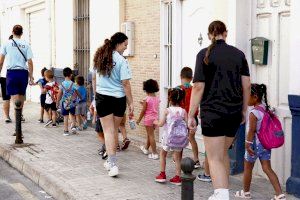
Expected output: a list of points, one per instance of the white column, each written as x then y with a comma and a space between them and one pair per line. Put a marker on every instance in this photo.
295, 47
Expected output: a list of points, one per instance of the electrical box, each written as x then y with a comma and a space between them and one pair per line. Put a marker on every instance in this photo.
259, 49
128, 29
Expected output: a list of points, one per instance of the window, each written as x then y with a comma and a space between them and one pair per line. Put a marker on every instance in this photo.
168, 42
82, 37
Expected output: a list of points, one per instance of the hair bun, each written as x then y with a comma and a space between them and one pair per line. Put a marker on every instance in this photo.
106, 41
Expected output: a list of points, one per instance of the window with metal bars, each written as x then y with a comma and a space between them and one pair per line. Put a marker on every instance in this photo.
82, 37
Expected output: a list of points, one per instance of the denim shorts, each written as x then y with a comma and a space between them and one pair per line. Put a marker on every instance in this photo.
260, 152
16, 82
65, 112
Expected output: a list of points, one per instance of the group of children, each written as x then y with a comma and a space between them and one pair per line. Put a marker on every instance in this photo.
174, 117
71, 100
176, 134
68, 99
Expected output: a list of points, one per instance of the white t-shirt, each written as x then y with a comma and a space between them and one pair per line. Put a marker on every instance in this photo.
259, 116
49, 99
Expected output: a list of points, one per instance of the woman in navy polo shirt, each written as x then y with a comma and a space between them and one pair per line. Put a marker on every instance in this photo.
17, 53
222, 85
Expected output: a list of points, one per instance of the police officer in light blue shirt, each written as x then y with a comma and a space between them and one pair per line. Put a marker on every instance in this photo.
17, 54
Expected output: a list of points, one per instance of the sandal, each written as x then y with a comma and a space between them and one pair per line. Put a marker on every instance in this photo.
279, 197
242, 194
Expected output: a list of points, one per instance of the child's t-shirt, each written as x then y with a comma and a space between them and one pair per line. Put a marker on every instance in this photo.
42, 82
185, 104
50, 94
259, 115
152, 107
83, 93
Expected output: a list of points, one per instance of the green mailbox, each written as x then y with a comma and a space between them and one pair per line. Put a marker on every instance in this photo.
259, 48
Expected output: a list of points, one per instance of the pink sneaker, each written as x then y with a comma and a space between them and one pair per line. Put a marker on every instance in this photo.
161, 178
176, 180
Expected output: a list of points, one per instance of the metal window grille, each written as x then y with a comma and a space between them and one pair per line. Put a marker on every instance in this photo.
82, 37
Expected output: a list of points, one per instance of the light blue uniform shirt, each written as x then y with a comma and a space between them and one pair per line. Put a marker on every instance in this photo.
112, 85
13, 57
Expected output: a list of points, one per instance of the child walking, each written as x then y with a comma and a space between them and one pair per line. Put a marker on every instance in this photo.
150, 113
42, 82
99, 130
254, 148
175, 136
81, 108
51, 89
68, 96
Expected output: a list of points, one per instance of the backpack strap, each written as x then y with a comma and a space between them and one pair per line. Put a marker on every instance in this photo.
69, 89
20, 50
259, 108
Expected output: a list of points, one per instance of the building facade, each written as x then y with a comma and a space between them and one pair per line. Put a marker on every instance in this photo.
167, 35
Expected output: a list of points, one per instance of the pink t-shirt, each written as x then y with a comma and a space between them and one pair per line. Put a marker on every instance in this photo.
151, 113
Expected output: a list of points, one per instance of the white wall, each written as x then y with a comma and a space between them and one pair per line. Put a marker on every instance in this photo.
104, 22
64, 33
294, 48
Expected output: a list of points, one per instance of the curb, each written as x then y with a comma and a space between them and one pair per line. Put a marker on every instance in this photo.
48, 182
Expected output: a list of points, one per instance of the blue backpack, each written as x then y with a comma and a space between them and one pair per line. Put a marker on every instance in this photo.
178, 131
69, 99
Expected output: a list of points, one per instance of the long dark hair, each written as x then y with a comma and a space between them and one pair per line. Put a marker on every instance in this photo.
260, 90
103, 59
215, 28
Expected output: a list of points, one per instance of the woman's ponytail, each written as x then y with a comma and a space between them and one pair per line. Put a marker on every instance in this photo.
207, 53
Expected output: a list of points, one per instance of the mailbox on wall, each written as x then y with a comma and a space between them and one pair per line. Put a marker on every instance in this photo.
259, 49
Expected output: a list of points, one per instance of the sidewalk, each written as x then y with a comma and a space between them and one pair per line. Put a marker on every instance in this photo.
70, 168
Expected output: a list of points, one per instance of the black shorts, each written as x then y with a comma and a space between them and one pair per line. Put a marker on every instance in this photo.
5, 97
42, 100
106, 105
226, 125
98, 128
51, 106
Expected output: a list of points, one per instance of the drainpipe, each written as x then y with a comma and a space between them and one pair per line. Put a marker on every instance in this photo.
48, 12
53, 29
293, 182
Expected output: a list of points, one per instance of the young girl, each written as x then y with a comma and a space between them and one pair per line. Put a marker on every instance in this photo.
99, 130
254, 148
150, 114
174, 112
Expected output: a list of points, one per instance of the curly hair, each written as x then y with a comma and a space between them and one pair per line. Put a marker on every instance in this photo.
103, 58
150, 86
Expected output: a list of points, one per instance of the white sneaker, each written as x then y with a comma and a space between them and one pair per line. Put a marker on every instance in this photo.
107, 165
144, 150
73, 130
218, 196
114, 171
153, 156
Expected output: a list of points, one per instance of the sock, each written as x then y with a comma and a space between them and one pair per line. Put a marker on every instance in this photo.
222, 193
112, 159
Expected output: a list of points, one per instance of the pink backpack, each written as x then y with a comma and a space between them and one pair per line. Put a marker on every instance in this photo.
270, 134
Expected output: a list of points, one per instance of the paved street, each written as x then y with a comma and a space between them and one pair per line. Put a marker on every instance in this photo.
15, 186
69, 167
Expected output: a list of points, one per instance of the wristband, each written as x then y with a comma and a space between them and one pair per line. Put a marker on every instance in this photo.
248, 142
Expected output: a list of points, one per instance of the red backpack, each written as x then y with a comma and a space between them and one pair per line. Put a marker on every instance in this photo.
185, 103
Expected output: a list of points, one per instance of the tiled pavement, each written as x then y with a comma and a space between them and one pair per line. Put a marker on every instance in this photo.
69, 167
